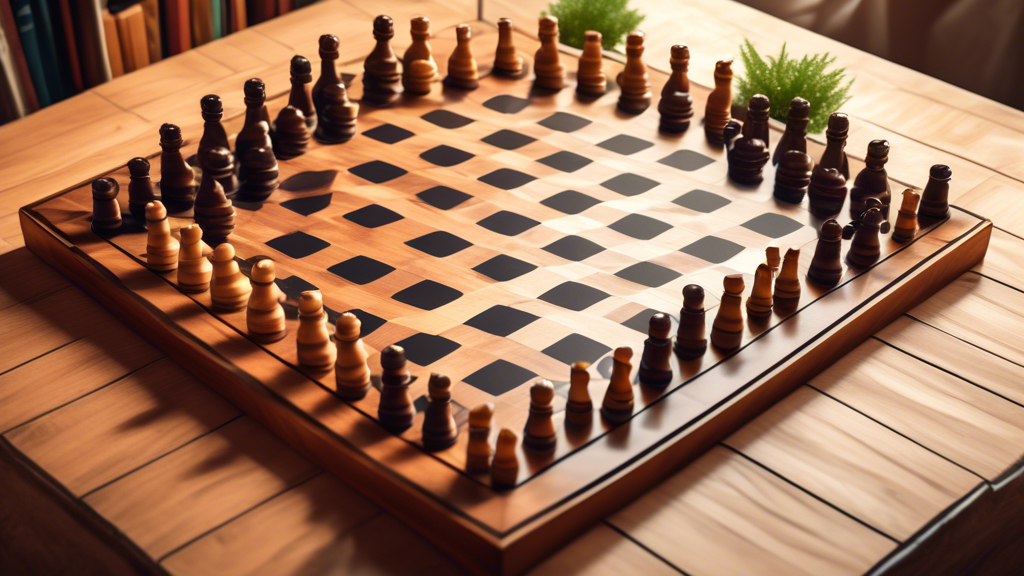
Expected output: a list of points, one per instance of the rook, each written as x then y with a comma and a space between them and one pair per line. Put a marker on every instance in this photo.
229, 289
396, 411
590, 78
264, 315
634, 83
439, 429
618, 398
676, 105
727, 330
539, 434
795, 136
547, 66
351, 373
826, 266
478, 449
579, 409
773, 258
161, 247
655, 363
140, 188
194, 270
106, 212
313, 341
787, 283
717, 111
381, 78
906, 219
462, 72
690, 337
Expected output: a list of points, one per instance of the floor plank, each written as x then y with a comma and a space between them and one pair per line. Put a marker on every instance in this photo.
23, 277
601, 551
1003, 262
1000, 199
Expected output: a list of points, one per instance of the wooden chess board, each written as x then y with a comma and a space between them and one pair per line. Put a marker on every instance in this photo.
499, 235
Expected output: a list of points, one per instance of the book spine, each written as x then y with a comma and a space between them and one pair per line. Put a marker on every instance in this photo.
10, 28
151, 11
113, 44
58, 80
179, 26
11, 98
70, 45
30, 44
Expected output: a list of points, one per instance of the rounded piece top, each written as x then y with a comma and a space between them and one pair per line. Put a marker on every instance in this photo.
506, 440
829, 177
383, 25
878, 148
759, 102
138, 167
300, 67
799, 108
542, 392
681, 52
311, 302
623, 354
549, 24
105, 189
191, 233
872, 217
211, 104
224, 253
170, 132
635, 38
348, 326
831, 230
592, 36
255, 89
796, 159
577, 366
941, 172
505, 24
693, 297
463, 32
264, 271
155, 210
329, 43
838, 122
439, 386
392, 357
219, 157
420, 24
480, 415
659, 326
733, 284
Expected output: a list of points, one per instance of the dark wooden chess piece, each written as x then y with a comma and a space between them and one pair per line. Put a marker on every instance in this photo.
795, 136
756, 124
834, 155
547, 65
827, 192
827, 266
759, 304
539, 433
329, 87
395, 411
747, 158
617, 406
850, 229
655, 363
140, 189
291, 134
676, 104
872, 182
727, 330
634, 81
338, 122
261, 166
505, 466
252, 135
579, 408
690, 337
177, 181
462, 73
865, 248
214, 135
935, 198
439, 429
419, 70
719, 106
300, 95
590, 77
213, 210
730, 133
507, 61
381, 79
793, 176
106, 212
787, 283
906, 219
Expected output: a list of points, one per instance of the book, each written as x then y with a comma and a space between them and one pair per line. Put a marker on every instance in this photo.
151, 12
69, 45
92, 42
12, 103
113, 45
202, 22
10, 28
55, 68
261, 10
237, 13
131, 33
26, 23
217, 15
284, 6
178, 26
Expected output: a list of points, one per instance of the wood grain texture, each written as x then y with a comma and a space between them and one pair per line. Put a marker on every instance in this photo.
1002, 261
603, 551
1001, 197
34, 278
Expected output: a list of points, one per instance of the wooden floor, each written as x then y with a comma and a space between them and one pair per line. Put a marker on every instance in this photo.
831, 480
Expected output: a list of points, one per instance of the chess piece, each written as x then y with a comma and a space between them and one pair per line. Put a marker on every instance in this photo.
337, 123
507, 62
213, 211
690, 339
214, 134
439, 429
872, 182
787, 283
590, 77
539, 434
505, 466
161, 247
850, 229
419, 29
826, 266
417, 77
793, 176
194, 270
579, 408
730, 133
329, 89
865, 249
396, 411
759, 304
229, 289
747, 158
140, 188
177, 181
772, 258
676, 105
264, 316
795, 136
462, 72
291, 134
719, 106
300, 96
618, 398
655, 363
478, 449
381, 79
834, 155
260, 166
351, 372
727, 330
906, 219
634, 82
312, 340
935, 198
756, 124
106, 212
547, 66
253, 135
826, 193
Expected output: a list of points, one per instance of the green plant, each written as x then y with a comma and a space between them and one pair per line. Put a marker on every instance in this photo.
783, 78
611, 18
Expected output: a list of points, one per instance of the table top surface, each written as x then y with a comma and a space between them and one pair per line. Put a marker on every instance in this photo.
832, 479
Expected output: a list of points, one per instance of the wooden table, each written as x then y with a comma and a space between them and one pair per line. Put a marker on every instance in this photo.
902, 457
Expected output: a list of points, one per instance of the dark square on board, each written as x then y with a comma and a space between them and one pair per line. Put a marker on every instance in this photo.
368, 322
639, 226
575, 248
565, 161
573, 296
446, 119
309, 180
506, 178
564, 122
425, 349
702, 201
308, 205
641, 321
508, 223
625, 144
294, 286
377, 171
508, 140
570, 202
629, 184
503, 268
373, 216
361, 270
501, 320
427, 295
713, 249
576, 348
445, 156
443, 197
686, 160
772, 225
507, 104
648, 274
297, 244
388, 133
499, 377
439, 244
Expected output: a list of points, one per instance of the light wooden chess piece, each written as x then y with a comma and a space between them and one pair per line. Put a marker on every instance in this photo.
478, 449
194, 270
618, 398
540, 434
418, 77
773, 258
264, 314
634, 82
229, 289
759, 304
419, 28
505, 466
462, 73
439, 429
718, 110
590, 77
676, 105
507, 62
106, 212
161, 247
727, 330
787, 283
381, 78
906, 219
312, 339
547, 65
351, 372
579, 409
395, 411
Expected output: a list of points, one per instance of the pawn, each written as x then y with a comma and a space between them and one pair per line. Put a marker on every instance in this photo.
313, 342
547, 65
539, 434
676, 105
161, 247
656, 361
865, 249
826, 266
826, 193
759, 304
834, 155
419, 29
795, 136
351, 372
906, 219
229, 289
747, 158
462, 72
338, 122
177, 181
935, 198
264, 315
727, 330
872, 182
261, 168
194, 270
214, 134
214, 212
756, 124
787, 283
106, 212
439, 429
618, 398
478, 449
291, 133
140, 188
507, 62
773, 258
418, 76
719, 104
634, 82
381, 78
253, 134
690, 337
590, 77
505, 467
300, 96
793, 176
579, 409
329, 88
396, 410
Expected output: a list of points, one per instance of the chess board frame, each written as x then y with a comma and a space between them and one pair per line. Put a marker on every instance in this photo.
507, 531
